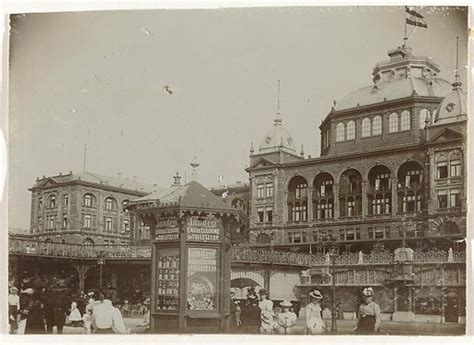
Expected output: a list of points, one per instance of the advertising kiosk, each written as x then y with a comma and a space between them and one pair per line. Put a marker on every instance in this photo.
190, 230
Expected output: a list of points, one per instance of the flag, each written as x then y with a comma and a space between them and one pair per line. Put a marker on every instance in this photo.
414, 18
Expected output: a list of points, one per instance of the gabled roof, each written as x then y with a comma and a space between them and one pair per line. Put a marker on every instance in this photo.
191, 195
99, 179
262, 161
446, 134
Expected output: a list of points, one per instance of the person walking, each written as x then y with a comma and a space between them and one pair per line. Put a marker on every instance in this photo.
13, 309
106, 319
369, 314
250, 316
267, 314
314, 319
286, 319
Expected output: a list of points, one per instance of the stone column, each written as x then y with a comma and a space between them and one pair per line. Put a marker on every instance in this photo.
364, 198
428, 182
394, 197
284, 216
310, 203
336, 201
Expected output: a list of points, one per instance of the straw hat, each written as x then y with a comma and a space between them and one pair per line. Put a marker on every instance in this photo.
286, 304
147, 301
316, 294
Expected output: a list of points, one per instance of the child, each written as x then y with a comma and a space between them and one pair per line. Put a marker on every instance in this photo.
286, 319
75, 315
87, 318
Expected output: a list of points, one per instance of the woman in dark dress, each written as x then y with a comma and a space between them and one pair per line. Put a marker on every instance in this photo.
250, 316
35, 315
369, 314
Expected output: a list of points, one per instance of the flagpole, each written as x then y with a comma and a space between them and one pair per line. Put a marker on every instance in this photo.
405, 38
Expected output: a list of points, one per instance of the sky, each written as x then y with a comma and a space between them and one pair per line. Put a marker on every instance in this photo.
99, 78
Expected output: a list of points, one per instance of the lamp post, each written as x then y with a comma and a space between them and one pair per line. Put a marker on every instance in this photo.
101, 263
333, 256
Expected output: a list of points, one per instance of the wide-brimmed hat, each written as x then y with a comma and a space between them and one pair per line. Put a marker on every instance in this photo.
286, 304
28, 291
147, 301
13, 288
368, 292
316, 294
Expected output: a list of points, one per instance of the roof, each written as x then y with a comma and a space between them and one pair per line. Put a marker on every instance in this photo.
453, 107
192, 195
98, 179
394, 89
277, 138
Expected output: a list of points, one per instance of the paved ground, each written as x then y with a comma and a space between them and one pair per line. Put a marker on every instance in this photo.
345, 327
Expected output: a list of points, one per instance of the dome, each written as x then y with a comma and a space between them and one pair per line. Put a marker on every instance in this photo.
394, 89
277, 138
453, 107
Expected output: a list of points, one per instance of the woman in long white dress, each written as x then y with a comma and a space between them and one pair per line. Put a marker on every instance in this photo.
267, 314
75, 316
314, 320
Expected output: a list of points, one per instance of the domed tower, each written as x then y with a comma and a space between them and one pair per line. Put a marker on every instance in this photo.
391, 111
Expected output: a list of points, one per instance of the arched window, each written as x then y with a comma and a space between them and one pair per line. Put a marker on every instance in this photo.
366, 127
350, 130
393, 123
110, 203
405, 121
424, 116
377, 125
124, 205
340, 129
88, 242
88, 200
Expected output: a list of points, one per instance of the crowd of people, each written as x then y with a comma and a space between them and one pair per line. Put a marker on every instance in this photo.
35, 308
258, 314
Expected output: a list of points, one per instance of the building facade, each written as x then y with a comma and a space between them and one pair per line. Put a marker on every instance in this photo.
391, 174
86, 208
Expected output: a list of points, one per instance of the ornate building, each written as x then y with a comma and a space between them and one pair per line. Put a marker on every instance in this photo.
391, 175
85, 208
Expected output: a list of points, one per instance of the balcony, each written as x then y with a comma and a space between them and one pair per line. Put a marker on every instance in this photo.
450, 210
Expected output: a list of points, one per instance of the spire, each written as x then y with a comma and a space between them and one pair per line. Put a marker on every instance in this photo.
278, 115
177, 179
457, 80
251, 148
302, 151
194, 164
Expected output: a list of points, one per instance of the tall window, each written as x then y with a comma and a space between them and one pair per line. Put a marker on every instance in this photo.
88, 200
381, 205
405, 122
65, 200
442, 199
51, 222
350, 130
411, 203
40, 203
260, 190
260, 215
393, 123
455, 167
52, 201
340, 129
109, 204
125, 226
269, 187
299, 213
377, 125
108, 224
366, 127
350, 207
269, 214
442, 169
300, 190
455, 198
65, 221
326, 188
87, 221
412, 178
324, 210
382, 182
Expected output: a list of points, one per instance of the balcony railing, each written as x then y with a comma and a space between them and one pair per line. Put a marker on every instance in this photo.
29, 247
448, 210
